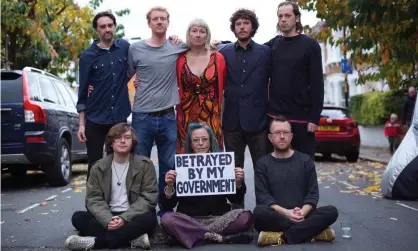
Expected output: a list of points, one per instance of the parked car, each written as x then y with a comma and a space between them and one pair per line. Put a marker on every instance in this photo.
338, 133
39, 124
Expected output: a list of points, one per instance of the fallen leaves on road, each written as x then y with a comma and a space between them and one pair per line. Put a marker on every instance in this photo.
44, 204
393, 218
44, 213
364, 177
78, 190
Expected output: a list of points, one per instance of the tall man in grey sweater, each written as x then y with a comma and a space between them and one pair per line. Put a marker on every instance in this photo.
286, 190
153, 118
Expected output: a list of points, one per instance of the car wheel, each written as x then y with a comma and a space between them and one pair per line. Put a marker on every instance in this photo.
59, 171
352, 156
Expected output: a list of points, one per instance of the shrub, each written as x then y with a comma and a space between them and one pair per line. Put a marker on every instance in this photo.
374, 108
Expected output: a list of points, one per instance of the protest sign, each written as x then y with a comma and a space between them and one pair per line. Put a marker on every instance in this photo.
205, 174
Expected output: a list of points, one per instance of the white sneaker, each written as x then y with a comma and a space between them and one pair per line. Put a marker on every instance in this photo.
142, 242
76, 243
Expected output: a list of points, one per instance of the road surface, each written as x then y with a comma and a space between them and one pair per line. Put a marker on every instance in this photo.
35, 216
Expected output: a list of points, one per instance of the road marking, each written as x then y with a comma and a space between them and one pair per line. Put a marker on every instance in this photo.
28, 208
51, 197
348, 184
412, 208
342, 182
66, 190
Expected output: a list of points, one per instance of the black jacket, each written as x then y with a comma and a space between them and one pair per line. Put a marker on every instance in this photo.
407, 110
202, 205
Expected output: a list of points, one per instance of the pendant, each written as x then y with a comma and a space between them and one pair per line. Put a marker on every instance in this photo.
119, 183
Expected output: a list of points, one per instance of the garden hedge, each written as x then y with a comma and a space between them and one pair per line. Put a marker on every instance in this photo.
374, 108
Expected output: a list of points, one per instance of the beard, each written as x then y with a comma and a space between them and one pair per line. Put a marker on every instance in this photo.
107, 38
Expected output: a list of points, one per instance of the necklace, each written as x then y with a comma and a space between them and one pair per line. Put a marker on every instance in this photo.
113, 164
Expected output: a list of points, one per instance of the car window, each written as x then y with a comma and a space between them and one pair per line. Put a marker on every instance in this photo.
64, 93
72, 94
34, 92
11, 87
48, 91
335, 113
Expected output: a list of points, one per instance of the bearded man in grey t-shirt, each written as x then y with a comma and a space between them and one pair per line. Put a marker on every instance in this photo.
153, 118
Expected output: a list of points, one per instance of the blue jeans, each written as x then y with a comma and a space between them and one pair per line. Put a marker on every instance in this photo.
163, 130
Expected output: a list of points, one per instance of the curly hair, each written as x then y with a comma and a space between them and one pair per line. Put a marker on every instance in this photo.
245, 14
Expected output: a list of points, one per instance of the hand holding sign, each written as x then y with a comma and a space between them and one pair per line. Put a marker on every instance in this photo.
170, 178
239, 176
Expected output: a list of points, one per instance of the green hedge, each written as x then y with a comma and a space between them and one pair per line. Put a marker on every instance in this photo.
374, 108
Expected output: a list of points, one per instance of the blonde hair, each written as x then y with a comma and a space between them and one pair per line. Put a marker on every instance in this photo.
202, 23
157, 8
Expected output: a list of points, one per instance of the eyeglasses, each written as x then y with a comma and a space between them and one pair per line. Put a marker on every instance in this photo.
196, 141
280, 133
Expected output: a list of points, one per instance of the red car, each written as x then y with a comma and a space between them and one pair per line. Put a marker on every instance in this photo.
337, 133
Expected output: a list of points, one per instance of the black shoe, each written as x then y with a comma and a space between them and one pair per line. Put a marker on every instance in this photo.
240, 238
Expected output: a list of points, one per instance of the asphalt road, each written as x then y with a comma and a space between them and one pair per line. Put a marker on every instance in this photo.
37, 217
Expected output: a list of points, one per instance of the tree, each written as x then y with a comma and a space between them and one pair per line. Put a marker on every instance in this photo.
47, 34
380, 35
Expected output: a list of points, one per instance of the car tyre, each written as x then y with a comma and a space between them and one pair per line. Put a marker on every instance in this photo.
60, 170
352, 156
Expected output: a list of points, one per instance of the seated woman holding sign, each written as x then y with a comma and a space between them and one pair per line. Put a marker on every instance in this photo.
206, 217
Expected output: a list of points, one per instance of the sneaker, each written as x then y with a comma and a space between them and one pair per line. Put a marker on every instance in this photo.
240, 238
326, 235
270, 239
75, 242
141, 242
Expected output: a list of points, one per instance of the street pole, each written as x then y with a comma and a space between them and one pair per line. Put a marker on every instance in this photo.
6, 51
346, 88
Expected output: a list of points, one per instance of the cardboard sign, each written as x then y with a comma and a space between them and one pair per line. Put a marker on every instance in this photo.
205, 174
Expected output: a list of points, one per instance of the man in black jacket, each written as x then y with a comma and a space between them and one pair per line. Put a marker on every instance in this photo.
286, 190
408, 107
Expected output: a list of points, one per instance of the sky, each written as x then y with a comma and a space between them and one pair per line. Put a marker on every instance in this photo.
215, 12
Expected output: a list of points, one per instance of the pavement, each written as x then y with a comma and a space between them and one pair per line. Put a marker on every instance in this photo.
378, 154
35, 216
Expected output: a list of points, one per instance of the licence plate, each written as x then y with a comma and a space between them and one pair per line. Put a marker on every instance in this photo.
329, 128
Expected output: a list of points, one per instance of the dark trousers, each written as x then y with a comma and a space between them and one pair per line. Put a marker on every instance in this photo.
303, 141
96, 135
393, 144
87, 225
238, 140
267, 219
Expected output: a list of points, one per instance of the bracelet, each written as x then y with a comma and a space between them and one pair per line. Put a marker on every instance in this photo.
171, 194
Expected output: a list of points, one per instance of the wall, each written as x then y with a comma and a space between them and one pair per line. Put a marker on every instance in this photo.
372, 136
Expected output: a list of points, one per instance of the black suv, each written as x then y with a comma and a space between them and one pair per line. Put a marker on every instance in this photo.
39, 124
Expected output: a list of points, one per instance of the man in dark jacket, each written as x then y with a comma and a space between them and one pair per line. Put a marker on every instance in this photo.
121, 198
286, 190
408, 107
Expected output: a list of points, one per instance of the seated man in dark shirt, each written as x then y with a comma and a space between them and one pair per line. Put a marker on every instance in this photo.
286, 190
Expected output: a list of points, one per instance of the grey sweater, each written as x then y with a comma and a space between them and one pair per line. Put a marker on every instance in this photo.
289, 183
